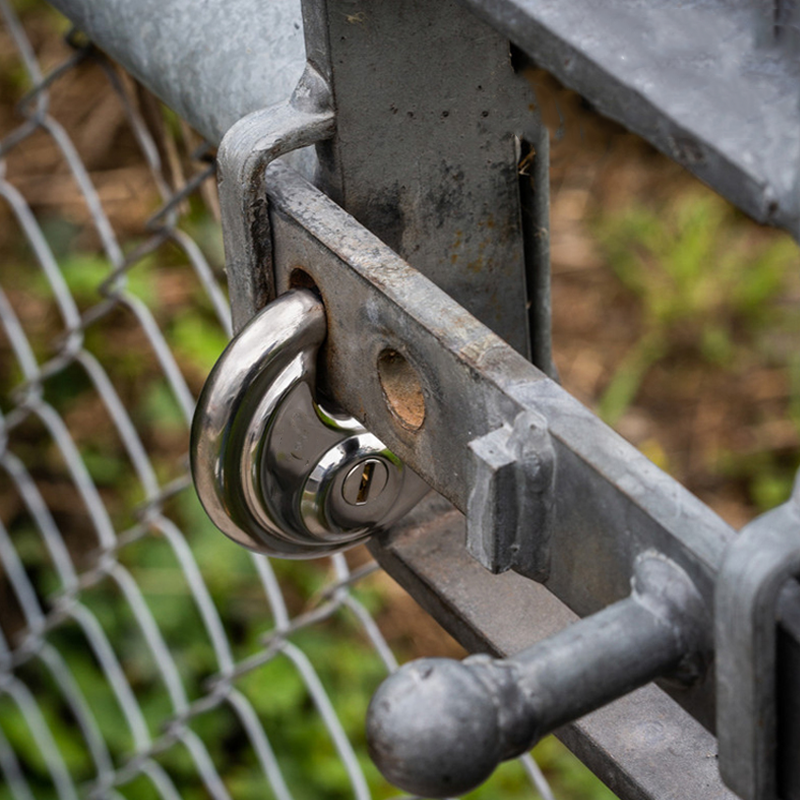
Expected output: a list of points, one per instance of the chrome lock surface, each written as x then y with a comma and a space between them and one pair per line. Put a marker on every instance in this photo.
274, 470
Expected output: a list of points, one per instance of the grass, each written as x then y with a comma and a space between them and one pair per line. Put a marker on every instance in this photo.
704, 286
712, 293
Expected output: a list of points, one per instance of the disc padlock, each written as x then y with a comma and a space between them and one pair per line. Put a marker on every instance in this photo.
274, 470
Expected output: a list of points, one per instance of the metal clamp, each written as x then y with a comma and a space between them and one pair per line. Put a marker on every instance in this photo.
757, 566
274, 470
509, 513
245, 152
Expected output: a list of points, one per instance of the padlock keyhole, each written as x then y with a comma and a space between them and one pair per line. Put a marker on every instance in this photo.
365, 482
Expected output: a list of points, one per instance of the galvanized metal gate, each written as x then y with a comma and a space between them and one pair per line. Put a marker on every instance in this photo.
421, 121
123, 671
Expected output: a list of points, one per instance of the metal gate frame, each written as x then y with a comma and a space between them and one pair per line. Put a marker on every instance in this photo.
714, 86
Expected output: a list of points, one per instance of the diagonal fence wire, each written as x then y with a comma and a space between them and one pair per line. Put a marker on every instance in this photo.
141, 654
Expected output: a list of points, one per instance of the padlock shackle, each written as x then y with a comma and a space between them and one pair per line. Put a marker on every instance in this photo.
277, 348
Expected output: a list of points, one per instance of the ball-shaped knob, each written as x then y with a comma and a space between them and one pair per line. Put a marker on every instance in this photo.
433, 728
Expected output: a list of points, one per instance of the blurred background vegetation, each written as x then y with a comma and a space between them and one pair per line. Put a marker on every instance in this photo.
675, 318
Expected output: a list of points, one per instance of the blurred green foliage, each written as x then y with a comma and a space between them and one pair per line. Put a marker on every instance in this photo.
710, 288
704, 283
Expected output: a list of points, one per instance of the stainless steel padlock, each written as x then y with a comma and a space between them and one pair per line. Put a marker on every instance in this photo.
274, 470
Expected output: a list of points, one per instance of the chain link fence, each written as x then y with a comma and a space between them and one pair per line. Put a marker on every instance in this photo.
142, 654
